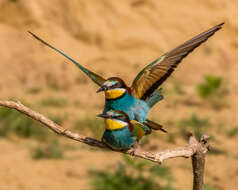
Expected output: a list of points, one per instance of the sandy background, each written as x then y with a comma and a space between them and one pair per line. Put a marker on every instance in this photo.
114, 38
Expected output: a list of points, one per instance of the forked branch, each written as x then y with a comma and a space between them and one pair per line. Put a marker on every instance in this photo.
186, 151
195, 149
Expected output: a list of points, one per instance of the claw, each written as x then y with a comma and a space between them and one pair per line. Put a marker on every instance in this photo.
135, 148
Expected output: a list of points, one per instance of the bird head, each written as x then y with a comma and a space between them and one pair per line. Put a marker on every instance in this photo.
115, 119
113, 88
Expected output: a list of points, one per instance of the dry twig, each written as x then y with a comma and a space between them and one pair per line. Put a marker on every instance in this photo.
195, 149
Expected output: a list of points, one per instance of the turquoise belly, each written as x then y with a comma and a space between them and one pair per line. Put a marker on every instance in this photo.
119, 139
136, 109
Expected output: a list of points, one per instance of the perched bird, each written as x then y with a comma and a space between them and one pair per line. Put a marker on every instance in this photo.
122, 133
137, 100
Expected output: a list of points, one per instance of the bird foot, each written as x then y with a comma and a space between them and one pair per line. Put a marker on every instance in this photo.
134, 148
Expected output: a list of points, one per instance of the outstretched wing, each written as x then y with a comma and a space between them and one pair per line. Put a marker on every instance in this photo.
154, 74
96, 78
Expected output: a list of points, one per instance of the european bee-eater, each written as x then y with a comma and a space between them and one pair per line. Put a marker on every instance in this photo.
122, 133
137, 100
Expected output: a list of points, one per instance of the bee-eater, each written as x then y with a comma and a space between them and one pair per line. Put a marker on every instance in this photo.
121, 133
137, 100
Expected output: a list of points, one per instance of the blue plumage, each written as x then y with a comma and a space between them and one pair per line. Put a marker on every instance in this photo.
119, 139
121, 133
154, 98
135, 108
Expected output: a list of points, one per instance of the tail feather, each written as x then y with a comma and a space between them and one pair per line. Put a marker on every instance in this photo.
154, 126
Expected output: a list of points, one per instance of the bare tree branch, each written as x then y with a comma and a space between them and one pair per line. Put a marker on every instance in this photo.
186, 151
198, 163
195, 149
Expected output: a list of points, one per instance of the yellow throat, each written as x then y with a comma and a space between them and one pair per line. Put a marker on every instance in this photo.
113, 124
114, 93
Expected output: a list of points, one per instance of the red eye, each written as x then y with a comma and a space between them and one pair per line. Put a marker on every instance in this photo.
117, 85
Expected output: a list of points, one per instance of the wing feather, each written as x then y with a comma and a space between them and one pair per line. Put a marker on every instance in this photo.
154, 74
139, 130
93, 76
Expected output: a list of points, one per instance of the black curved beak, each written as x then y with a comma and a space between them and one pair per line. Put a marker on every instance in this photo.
102, 88
103, 115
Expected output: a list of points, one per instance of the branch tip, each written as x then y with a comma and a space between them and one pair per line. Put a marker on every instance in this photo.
204, 138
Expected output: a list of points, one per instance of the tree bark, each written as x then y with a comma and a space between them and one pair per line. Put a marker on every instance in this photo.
198, 163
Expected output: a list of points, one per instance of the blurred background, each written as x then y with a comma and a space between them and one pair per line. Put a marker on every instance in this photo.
115, 38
